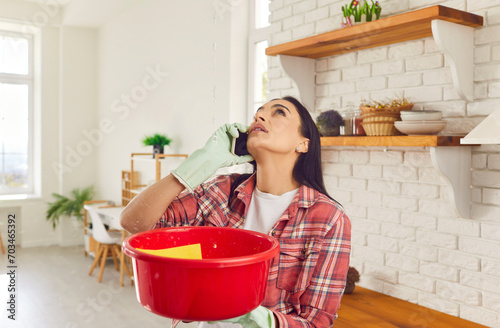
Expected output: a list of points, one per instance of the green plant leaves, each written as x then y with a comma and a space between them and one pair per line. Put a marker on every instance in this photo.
156, 139
68, 206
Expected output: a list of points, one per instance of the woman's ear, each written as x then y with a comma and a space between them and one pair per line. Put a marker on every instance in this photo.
303, 146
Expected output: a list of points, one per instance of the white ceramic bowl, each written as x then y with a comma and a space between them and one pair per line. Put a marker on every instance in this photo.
420, 127
421, 115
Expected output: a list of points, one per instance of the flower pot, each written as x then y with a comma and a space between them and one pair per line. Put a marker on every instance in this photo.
329, 131
157, 149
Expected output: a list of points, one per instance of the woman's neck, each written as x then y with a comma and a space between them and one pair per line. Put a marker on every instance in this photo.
276, 176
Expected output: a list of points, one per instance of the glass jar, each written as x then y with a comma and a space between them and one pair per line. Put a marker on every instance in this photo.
357, 126
348, 115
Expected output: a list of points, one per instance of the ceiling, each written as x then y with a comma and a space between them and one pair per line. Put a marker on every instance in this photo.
89, 13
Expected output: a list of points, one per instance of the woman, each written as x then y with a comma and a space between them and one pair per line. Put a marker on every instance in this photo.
285, 197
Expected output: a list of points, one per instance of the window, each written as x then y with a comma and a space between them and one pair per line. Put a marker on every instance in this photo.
258, 35
16, 113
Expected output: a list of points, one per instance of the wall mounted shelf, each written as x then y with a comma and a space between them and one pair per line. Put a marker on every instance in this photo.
451, 159
393, 29
386, 141
452, 29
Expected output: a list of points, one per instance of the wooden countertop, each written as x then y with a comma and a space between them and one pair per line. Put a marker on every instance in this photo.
366, 308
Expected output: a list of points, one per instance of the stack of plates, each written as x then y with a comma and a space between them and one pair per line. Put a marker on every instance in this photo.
418, 122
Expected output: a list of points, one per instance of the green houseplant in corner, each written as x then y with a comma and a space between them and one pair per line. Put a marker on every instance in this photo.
158, 141
69, 206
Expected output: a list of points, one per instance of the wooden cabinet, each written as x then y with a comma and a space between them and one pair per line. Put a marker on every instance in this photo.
127, 180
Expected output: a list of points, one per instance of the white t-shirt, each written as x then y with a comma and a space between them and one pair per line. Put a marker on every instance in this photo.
265, 209
262, 213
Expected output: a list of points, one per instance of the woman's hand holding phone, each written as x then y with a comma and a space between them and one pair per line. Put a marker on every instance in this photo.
216, 153
239, 145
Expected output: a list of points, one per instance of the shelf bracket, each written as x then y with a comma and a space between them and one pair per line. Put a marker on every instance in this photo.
302, 72
454, 163
457, 43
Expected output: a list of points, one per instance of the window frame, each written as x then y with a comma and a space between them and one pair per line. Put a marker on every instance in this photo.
27, 79
255, 35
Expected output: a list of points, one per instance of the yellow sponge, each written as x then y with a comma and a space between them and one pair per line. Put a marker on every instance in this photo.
192, 252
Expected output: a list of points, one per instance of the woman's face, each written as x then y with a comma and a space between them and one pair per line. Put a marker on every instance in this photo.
276, 128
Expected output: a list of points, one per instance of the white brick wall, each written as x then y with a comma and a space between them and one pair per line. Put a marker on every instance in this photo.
407, 240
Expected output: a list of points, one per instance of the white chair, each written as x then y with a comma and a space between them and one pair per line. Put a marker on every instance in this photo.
109, 241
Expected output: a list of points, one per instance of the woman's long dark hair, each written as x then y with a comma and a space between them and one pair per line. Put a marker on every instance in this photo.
307, 170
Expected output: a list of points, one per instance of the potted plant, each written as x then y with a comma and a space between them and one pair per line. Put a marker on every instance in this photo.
158, 141
329, 123
69, 206
355, 12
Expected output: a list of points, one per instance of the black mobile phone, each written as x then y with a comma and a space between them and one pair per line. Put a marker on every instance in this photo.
239, 146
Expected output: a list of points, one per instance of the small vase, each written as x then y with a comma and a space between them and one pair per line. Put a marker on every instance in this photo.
361, 21
157, 149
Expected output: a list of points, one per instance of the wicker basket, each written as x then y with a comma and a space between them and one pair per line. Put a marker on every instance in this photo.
380, 128
382, 116
388, 110
380, 121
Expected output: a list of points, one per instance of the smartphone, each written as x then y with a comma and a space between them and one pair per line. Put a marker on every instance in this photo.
239, 145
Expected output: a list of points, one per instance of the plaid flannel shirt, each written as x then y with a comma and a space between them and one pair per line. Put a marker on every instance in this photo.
307, 281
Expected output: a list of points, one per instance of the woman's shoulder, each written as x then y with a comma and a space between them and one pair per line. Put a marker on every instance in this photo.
313, 197
321, 206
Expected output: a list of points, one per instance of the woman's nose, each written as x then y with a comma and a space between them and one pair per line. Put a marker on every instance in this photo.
259, 116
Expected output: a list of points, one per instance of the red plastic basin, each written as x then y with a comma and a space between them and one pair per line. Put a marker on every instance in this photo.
228, 282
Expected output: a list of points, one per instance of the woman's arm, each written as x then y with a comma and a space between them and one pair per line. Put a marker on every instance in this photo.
147, 207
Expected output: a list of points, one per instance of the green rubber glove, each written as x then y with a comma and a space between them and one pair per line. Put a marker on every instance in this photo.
261, 317
216, 153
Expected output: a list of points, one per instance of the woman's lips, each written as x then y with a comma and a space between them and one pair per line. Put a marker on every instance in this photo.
258, 128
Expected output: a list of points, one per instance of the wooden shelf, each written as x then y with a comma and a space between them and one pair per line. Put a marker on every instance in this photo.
445, 151
387, 141
453, 32
393, 29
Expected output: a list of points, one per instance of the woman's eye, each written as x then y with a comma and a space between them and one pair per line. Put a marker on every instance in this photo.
280, 112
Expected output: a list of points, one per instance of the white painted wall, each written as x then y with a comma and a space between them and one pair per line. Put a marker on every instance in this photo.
407, 241
152, 66
188, 47
66, 105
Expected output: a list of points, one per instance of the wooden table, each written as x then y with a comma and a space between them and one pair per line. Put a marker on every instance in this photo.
369, 309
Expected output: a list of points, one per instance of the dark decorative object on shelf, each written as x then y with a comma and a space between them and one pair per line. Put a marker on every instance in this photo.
329, 123
352, 279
